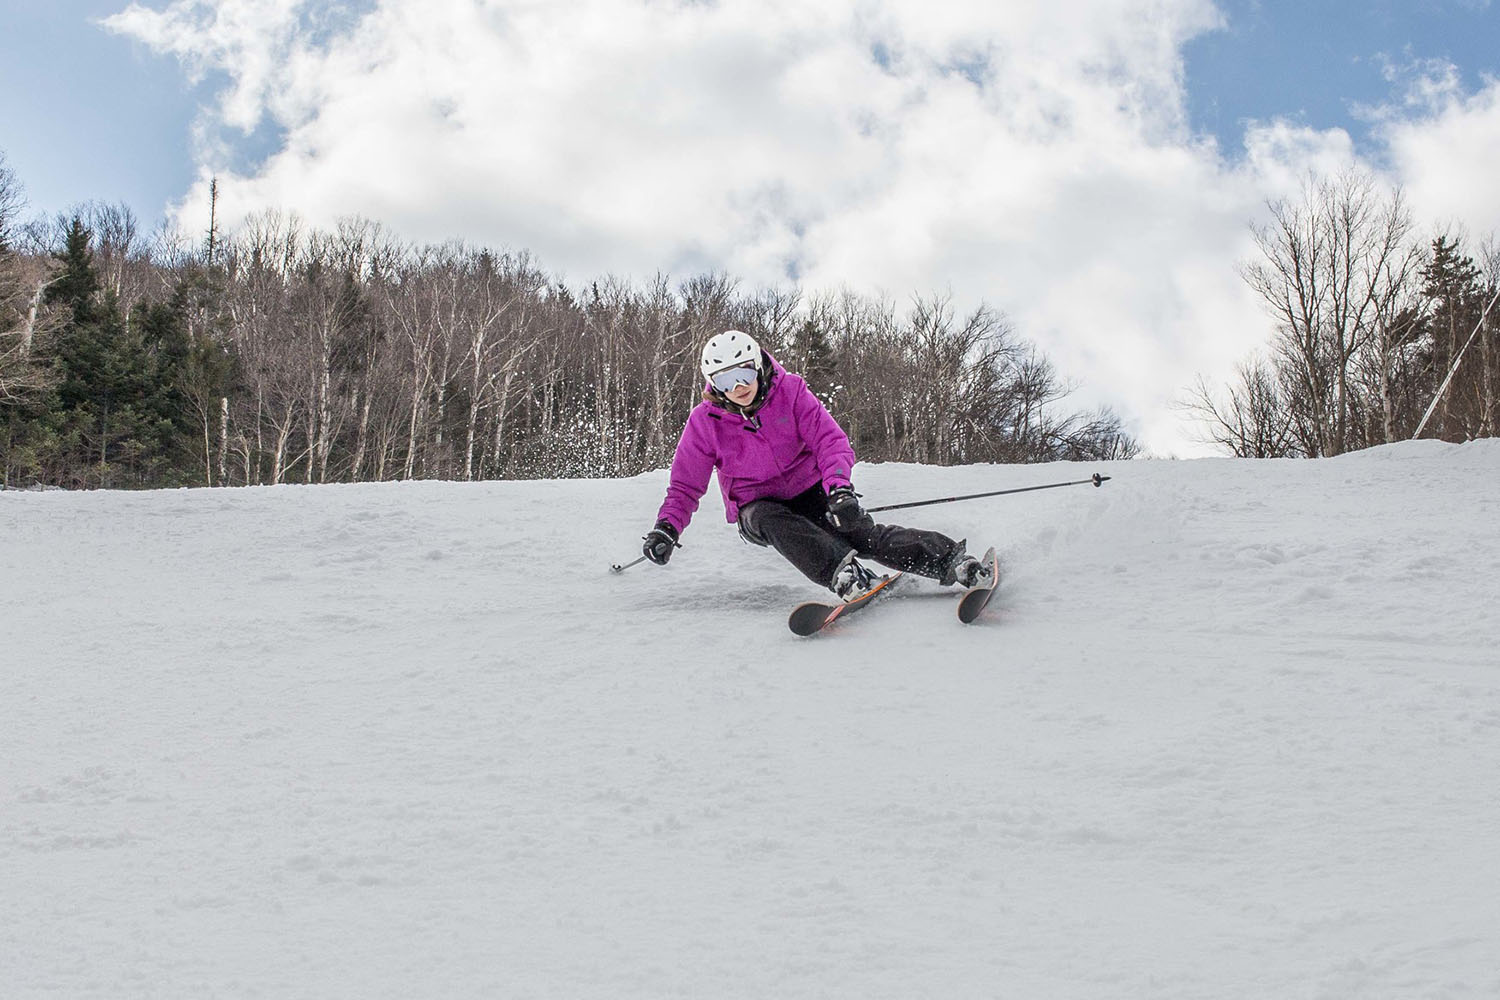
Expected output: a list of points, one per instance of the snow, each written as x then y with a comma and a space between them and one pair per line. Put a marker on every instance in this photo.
1230, 729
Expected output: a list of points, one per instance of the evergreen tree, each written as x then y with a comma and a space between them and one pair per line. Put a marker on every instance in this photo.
78, 285
168, 425
814, 354
1455, 293
203, 375
113, 420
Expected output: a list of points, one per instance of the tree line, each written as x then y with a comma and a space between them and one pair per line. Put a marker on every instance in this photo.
282, 353
1380, 335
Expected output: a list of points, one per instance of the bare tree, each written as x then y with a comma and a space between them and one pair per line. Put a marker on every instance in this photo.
503, 294
24, 377
426, 306
12, 204
1329, 275
667, 369
954, 373
1249, 419
25, 322
1489, 341
259, 267
329, 306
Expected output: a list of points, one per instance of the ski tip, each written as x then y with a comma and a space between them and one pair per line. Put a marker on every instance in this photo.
976, 599
809, 618
813, 617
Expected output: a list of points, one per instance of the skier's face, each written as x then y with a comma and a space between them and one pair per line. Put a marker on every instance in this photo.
743, 395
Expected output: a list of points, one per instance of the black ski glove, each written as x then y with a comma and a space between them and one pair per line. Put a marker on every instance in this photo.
844, 511
660, 541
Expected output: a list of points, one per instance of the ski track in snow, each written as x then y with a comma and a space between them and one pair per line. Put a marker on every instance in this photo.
1229, 729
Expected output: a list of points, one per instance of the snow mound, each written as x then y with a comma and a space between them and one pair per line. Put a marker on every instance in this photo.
1228, 730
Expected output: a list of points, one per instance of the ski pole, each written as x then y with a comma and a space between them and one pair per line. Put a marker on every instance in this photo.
1095, 479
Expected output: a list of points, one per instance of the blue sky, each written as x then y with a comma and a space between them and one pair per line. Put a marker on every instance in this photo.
1316, 63
86, 114
1091, 168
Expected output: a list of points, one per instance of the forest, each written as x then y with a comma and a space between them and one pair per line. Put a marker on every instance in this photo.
1382, 334
282, 353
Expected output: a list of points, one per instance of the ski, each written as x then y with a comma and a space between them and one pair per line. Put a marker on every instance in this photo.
814, 616
975, 598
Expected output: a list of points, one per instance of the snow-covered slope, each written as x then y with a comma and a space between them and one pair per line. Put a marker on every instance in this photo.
1231, 729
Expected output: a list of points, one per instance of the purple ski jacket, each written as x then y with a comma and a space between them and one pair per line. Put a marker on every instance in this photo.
789, 445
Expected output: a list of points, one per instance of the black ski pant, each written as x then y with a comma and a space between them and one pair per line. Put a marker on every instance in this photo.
798, 530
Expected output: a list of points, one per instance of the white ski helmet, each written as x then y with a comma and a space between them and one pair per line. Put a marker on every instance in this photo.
724, 350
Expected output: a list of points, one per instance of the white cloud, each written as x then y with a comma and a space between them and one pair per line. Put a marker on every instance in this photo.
1034, 154
1448, 155
247, 39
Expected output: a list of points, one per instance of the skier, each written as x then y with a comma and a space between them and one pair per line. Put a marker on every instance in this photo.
784, 468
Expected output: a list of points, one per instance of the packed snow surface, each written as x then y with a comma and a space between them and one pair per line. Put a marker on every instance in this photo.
1229, 729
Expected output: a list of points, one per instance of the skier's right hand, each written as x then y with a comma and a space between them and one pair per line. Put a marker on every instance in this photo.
660, 541
844, 511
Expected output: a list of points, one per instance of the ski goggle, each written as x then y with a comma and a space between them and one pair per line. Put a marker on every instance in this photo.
731, 379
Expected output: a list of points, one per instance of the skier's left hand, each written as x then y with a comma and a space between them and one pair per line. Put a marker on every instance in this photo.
660, 541
844, 511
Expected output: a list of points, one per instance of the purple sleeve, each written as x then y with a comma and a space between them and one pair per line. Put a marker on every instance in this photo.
692, 464
829, 444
